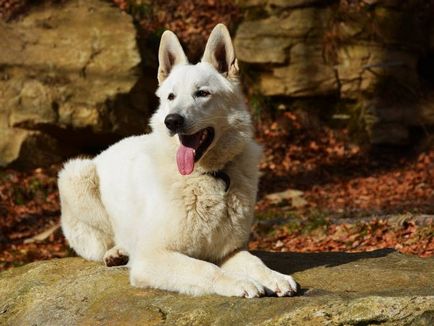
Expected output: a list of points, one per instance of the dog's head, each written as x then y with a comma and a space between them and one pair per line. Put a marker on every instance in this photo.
201, 104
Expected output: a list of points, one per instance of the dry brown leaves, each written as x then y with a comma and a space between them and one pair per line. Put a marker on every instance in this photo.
342, 180
407, 237
192, 21
11, 8
337, 175
29, 205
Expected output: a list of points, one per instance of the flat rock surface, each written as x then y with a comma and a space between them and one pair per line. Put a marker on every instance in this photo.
381, 287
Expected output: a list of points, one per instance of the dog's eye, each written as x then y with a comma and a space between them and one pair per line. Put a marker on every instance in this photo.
202, 93
171, 97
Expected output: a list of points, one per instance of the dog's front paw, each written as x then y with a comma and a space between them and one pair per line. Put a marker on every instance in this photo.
115, 256
279, 284
232, 287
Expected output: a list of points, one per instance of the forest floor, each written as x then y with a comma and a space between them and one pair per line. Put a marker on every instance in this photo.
318, 192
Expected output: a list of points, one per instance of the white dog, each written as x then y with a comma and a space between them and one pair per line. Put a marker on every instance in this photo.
178, 202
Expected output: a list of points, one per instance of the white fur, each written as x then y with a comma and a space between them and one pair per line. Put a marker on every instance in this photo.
182, 233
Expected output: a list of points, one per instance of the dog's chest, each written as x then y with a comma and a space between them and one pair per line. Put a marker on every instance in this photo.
215, 222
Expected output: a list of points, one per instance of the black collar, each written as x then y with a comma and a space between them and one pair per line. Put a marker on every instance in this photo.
223, 176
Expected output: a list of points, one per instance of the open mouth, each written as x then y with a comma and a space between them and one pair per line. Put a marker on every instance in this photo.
192, 149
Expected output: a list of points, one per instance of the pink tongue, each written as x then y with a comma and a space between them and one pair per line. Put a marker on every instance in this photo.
185, 159
185, 154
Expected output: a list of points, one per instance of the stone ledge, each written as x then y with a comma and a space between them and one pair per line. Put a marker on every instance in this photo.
380, 287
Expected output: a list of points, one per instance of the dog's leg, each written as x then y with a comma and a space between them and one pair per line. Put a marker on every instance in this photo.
115, 256
84, 220
245, 264
176, 272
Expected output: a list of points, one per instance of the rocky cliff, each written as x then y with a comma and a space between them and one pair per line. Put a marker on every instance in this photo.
376, 56
74, 80
70, 79
376, 288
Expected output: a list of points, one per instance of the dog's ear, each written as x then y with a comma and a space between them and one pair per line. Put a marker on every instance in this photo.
220, 52
169, 55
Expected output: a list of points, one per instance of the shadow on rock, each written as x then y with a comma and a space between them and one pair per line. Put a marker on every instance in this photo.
292, 262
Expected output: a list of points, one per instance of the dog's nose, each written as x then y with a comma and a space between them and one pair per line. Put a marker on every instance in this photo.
174, 122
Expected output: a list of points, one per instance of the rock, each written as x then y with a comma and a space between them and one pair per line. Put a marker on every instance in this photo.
28, 148
250, 3
292, 44
298, 202
257, 41
294, 3
68, 67
291, 195
10, 144
311, 49
362, 68
388, 134
427, 111
300, 79
278, 3
388, 123
380, 287
278, 197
